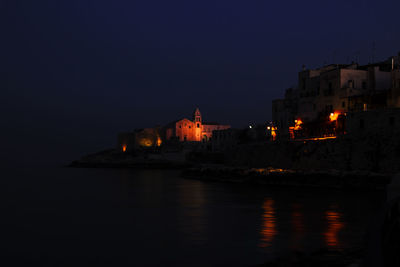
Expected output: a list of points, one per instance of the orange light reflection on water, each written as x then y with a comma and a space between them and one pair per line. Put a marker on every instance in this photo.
335, 224
268, 228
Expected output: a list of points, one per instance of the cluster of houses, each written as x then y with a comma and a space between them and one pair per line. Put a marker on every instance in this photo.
327, 102
340, 99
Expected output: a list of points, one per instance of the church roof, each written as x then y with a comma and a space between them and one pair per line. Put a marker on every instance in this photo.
172, 123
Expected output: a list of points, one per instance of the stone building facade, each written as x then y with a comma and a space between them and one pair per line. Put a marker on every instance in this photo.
378, 122
183, 130
140, 138
194, 130
338, 89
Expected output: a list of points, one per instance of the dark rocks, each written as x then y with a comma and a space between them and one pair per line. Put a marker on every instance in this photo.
280, 177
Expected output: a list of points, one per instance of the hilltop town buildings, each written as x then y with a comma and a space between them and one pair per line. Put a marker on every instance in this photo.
323, 98
327, 101
180, 131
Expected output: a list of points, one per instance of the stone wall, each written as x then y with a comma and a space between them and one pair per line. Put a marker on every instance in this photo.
382, 122
367, 153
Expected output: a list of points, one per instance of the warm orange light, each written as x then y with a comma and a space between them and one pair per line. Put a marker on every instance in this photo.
335, 224
318, 138
146, 142
273, 133
334, 116
159, 141
297, 124
268, 230
123, 148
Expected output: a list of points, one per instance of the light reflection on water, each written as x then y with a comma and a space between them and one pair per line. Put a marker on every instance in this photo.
335, 225
323, 226
268, 230
156, 218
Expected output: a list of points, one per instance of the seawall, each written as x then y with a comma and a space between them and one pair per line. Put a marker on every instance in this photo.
374, 153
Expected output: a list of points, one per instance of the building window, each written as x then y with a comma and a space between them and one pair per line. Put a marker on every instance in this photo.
343, 104
198, 125
190, 127
180, 126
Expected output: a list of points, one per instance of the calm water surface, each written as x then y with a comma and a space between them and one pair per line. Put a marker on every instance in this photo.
115, 217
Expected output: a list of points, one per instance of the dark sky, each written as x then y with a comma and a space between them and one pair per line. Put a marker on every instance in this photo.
73, 73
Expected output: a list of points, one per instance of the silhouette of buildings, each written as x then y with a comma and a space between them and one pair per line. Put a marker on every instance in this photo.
194, 130
324, 97
179, 131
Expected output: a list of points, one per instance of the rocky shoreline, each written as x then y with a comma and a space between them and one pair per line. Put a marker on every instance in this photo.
114, 159
334, 179
146, 164
291, 178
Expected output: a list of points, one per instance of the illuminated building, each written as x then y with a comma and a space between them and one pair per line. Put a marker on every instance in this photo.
194, 130
325, 96
140, 138
182, 130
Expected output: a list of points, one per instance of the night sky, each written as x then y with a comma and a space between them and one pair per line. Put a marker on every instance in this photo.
74, 73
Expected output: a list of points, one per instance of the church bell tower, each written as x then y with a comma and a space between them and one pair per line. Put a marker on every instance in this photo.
197, 116
197, 122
